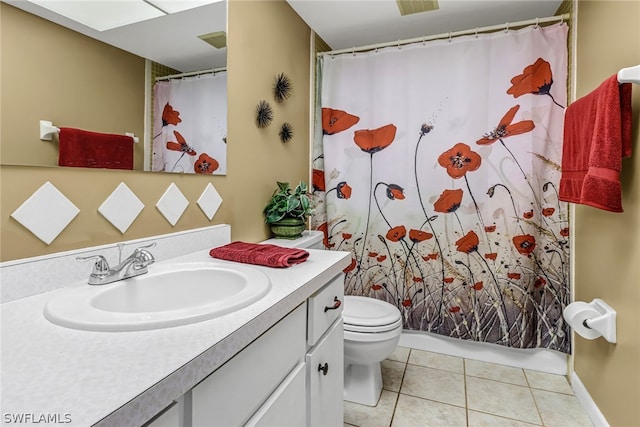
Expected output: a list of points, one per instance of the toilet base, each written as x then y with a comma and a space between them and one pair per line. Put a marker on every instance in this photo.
363, 383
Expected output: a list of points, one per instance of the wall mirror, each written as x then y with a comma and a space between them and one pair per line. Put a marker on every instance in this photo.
183, 38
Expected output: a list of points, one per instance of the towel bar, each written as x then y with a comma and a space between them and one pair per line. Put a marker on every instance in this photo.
47, 130
629, 75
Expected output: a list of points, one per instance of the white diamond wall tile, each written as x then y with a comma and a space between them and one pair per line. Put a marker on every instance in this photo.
210, 201
121, 208
46, 213
172, 204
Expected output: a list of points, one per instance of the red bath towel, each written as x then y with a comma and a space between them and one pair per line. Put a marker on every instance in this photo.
84, 149
597, 135
260, 254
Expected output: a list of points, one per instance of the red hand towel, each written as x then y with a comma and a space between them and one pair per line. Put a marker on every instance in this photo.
260, 254
597, 135
81, 148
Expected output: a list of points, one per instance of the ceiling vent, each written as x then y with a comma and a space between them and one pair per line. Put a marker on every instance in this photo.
217, 39
409, 7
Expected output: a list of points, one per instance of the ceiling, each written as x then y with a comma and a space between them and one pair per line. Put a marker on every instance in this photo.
173, 40
345, 24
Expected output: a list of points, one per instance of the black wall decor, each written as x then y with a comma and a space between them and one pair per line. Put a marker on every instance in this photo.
264, 114
282, 87
286, 132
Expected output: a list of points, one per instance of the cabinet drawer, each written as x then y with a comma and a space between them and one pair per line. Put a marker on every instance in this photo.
325, 378
231, 394
321, 308
287, 406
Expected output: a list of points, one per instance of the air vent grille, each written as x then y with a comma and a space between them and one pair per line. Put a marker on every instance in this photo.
217, 39
409, 7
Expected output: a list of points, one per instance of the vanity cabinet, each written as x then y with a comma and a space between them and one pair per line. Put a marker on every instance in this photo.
290, 376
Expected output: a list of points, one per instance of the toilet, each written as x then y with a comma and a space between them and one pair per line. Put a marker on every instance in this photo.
372, 330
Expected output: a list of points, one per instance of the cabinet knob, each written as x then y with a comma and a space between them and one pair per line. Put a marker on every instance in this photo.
336, 303
324, 368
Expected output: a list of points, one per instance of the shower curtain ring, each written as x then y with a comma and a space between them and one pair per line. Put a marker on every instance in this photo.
449, 36
537, 20
506, 30
476, 32
399, 44
353, 51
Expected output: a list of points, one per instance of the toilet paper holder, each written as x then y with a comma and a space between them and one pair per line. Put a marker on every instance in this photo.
601, 323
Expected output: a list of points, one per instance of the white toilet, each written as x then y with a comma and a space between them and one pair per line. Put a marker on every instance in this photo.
372, 330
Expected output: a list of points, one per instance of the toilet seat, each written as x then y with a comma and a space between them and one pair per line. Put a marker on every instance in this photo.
369, 315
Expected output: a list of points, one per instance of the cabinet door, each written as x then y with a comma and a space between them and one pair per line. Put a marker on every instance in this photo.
325, 307
325, 370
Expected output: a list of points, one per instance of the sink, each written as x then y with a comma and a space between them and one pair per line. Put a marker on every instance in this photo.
171, 294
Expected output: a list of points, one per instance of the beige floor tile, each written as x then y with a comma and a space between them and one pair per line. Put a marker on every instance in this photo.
549, 382
367, 416
400, 354
479, 419
415, 412
392, 373
560, 410
492, 371
434, 384
505, 400
437, 361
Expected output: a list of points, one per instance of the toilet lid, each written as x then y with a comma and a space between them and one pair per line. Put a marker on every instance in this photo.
368, 312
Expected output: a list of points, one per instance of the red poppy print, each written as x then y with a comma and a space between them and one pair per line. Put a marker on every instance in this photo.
535, 79
395, 192
205, 164
449, 201
397, 233
334, 121
459, 160
540, 282
564, 232
490, 228
448, 280
528, 215
347, 236
324, 227
181, 145
381, 258
317, 180
376, 287
351, 266
506, 129
468, 243
417, 280
373, 254
406, 303
344, 190
417, 236
514, 276
525, 244
478, 286
372, 141
492, 256
548, 211
454, 309
170, 116
430, 256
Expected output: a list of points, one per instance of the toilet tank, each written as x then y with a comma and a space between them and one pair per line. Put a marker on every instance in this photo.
311, 239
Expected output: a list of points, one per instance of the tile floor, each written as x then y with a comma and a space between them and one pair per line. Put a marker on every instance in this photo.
430, 389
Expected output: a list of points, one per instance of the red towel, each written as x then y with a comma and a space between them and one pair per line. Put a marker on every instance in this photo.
597, 135
84, 149
260, 254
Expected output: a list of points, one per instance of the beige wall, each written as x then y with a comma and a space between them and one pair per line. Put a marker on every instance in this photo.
52, 73
607, 253
265, 38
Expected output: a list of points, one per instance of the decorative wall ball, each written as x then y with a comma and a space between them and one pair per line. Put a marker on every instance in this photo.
286, 132
264, 114
282, 87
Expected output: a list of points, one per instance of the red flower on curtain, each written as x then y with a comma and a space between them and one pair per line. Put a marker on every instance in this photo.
548, 211
514, 276
350, 266
459, 160
317, 180
449, 201
397, 233
468, 243
376, 287
535, 79
454, 309
478, 286
506, 129
334, 121
206, 164
381, 258
540, 282
417, 236
492, 256
343, 190
347, 236
564, 232
528, 215
490, 228
170, 116
525, 244
430, 256
372, 141
181, 145
394, 192
406, 302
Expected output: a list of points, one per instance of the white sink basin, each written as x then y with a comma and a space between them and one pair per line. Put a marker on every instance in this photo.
168, 295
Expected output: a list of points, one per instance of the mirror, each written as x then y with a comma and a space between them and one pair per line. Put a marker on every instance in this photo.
42, 83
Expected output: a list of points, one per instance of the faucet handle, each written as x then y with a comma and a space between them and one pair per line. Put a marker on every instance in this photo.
100, 267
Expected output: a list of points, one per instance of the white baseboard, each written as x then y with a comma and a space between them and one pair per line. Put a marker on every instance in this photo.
592, 410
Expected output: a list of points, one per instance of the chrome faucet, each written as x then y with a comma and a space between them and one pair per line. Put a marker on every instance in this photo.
134, 265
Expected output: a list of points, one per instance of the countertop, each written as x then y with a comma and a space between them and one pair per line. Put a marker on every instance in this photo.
83, 378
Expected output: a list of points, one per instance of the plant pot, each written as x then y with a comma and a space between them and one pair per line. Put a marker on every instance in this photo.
288, 228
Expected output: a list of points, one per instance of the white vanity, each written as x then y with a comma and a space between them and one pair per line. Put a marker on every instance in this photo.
277, 362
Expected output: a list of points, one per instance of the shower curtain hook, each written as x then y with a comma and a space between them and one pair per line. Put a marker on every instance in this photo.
506, 30
449, 36
424, 40
353, 51
537, 20
399, 44
476, 32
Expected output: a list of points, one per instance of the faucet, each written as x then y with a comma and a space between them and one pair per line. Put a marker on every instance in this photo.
134, 265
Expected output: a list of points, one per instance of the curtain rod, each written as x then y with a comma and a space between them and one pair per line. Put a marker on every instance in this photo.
559, 18
192, 73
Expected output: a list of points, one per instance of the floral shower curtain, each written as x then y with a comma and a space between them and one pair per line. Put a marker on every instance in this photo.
190, 125
437, 165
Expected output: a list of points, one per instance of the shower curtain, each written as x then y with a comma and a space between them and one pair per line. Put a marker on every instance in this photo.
190, 125
437, 165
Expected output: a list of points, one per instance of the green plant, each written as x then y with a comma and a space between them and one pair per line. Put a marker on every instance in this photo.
286, 203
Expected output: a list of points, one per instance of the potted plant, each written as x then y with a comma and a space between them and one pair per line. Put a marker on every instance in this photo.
288, 210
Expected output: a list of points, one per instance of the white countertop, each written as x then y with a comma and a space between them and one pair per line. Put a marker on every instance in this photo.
83, 378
